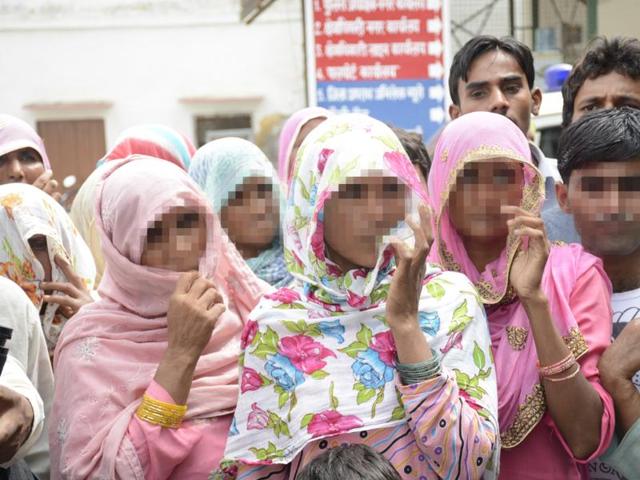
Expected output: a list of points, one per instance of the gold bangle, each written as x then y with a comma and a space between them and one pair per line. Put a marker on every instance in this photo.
167, 415
562, 379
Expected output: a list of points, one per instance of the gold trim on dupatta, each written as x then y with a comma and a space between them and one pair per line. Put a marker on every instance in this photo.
531, 199
531, 411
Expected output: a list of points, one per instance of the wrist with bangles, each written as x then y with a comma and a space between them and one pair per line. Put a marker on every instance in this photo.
155, 412
568, 363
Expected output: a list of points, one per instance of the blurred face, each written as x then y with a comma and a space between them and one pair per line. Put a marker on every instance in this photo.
497, 84
21, 166
481, 189
251, 216
607, 91
176, 241
38, 244
304, 132
604, 199
358, 215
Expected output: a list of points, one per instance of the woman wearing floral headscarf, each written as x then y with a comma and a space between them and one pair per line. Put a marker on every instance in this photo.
547, 305
243, 189
362, 351
41, 250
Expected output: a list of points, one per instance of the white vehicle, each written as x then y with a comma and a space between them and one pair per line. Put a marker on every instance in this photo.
548, 123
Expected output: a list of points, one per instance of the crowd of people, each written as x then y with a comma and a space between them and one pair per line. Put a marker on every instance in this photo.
362, 311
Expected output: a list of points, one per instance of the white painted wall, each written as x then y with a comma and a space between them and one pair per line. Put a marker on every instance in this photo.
144, 56
618, 17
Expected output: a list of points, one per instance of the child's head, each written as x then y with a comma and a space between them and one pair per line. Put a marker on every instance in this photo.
349, 462
414, 145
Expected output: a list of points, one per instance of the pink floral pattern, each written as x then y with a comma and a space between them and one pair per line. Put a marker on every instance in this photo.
331, 422
305, 353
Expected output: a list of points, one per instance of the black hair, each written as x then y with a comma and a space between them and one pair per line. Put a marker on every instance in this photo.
603, 56
481, 44
611, 135
349, 462
414, 145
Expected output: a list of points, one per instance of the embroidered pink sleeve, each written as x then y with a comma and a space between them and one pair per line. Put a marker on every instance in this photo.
457, 440
160, 450
592, 310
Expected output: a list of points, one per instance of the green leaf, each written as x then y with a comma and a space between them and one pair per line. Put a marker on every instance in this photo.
364, 335
319, 375
462, 379
436, 290
484, 374
306, 420
314, 331
389, 142
293, 326
265, 380
333, 400
271, 338
461, 311
365, 395
256, 340
348, 281
358, 387
398, 413
263, 350
283, 398
474, 381
303, 189
285, 430
478, 356
353, 349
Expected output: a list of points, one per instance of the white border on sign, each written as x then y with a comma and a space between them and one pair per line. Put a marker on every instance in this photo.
448, 54
312, 81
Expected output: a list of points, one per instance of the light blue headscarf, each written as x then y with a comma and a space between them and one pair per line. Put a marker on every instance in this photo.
220, 168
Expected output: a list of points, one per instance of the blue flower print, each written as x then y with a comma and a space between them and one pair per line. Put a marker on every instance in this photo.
332, 329
370, 370
283, 372
429, 322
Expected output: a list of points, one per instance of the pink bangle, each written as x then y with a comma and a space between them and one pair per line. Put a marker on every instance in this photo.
560, 367
562, 379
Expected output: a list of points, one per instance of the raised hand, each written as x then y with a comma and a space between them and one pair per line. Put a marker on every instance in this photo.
74, 292
48, 184
404, 292
530, 260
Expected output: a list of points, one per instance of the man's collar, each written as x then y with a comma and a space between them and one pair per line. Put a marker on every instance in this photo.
547, 166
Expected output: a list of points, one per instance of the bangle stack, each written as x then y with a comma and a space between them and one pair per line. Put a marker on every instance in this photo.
167, 415
562, 366
412, 373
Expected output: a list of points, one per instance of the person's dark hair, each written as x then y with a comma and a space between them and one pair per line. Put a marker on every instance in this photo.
481, 44
349, 462
602, 57
415, 148
611, 135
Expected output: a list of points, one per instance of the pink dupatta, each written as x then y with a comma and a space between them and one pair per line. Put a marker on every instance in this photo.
109, 352
16, 134
289, 134
483, 136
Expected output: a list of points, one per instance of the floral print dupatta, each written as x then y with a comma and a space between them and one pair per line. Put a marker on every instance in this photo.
319, 358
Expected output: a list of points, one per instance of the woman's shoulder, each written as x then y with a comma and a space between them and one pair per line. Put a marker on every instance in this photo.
571, 258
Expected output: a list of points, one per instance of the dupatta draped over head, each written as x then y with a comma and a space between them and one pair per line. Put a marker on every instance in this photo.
478, 137
319, 357
289, 135
157, 141
25, 212
16, 134
220, 168
111, 349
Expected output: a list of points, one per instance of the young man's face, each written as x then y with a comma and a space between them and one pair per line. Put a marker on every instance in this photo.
604, 199
606, 91
497, 84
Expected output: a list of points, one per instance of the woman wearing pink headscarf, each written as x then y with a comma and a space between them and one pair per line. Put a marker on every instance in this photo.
547, 305
23, 158
293, 133
147, 376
